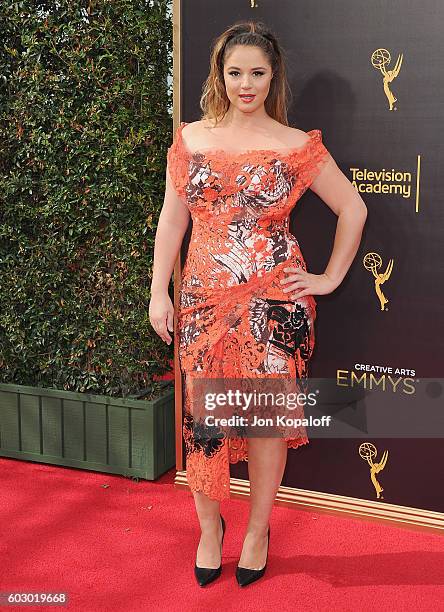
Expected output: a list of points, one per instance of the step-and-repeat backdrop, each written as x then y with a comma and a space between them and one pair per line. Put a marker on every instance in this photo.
370, 77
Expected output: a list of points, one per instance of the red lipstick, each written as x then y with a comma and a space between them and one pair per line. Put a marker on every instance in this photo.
247, 97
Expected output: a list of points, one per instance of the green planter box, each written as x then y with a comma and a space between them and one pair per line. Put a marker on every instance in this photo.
132, 437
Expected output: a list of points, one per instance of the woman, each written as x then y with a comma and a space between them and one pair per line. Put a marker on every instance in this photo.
246, 305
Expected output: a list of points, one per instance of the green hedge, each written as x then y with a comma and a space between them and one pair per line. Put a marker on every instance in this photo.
85, 122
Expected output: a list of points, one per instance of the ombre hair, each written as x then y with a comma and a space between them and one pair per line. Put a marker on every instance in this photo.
214, 101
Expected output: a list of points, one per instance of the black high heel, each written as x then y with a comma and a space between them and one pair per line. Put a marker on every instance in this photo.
245, 576
205, 575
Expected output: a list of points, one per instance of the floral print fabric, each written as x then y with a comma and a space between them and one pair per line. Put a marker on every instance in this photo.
234, 320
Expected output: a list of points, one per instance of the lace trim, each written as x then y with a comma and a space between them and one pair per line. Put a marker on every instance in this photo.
307, 160
212, 476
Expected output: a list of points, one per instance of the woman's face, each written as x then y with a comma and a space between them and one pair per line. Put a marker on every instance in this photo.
247, 71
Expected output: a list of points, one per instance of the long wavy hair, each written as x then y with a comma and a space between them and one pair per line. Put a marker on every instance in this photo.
214, 101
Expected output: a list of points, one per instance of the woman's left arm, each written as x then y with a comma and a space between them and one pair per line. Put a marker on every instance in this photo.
334, 188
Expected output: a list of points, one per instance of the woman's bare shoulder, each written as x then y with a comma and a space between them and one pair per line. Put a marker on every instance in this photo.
191, 131
196, 134
194, 127
294, 137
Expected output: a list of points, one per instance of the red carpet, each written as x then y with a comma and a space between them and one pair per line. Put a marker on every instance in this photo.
130, 546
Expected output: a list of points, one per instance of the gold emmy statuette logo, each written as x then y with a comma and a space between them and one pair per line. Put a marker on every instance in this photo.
368, 451
253, 4
380, 59
372, 262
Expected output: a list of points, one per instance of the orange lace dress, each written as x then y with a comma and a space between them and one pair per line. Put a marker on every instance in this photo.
233, 318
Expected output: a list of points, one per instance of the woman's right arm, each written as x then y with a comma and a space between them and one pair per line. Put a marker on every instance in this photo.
173, 223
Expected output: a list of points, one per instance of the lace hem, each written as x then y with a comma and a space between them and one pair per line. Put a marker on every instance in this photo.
238, 447
212, 477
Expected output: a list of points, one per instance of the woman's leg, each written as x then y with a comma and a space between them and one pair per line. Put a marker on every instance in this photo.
208, 512
266, 464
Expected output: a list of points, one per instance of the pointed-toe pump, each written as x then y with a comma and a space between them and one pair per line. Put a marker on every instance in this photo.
205, 575
245, 576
